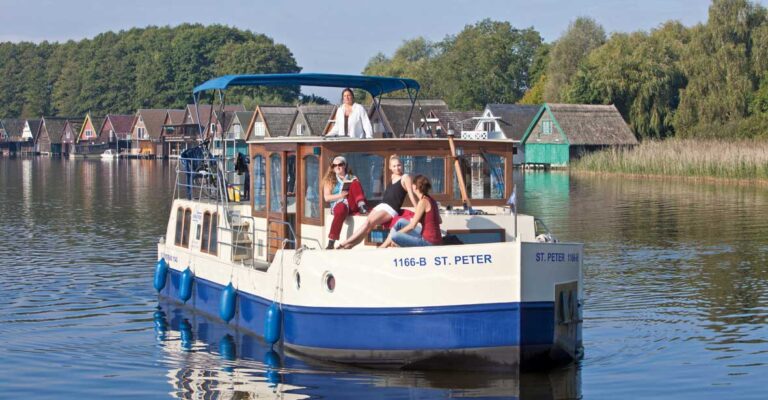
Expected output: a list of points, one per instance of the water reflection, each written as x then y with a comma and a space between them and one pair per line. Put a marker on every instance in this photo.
676, 289
210, 359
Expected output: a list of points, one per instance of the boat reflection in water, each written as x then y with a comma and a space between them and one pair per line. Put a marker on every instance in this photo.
209, 359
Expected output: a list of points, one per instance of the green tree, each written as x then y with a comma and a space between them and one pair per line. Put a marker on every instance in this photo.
582, 36
718, 65
485, 63
640, 74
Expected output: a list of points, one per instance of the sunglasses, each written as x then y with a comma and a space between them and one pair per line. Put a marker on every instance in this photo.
338, 165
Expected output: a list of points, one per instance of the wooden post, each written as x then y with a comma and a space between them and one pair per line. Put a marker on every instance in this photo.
459, 175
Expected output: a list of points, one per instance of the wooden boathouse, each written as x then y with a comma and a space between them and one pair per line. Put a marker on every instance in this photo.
562, 132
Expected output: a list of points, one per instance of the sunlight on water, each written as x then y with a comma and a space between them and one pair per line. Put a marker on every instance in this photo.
676, 284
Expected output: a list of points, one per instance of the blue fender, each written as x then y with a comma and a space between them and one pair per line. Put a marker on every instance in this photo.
272, 322
161, 274
228, 303
185, 287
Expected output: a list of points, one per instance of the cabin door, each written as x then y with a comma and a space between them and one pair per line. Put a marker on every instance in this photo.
281, 218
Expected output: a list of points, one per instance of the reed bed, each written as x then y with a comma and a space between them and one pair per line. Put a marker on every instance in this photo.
716, 158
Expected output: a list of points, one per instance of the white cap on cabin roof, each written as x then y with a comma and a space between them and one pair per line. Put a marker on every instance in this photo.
339, 160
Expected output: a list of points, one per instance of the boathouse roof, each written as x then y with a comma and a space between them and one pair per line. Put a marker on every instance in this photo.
278, 119
318, 117
55, 126
34, 126
121, 124
176, 116
514, 119
590, 124
153, 120
14, 128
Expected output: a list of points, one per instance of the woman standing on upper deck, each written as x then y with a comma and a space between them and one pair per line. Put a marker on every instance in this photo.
390, 208
351, 118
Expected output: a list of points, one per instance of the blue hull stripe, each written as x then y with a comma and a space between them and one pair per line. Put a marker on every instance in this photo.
402, 328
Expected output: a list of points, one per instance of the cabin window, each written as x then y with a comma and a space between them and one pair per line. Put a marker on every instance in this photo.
259, 183
546, 127
275, 183
179, 226
213, 248
186, 228
311, 195
210, 242
259, 129
431, 167
369, 169
206, 231
483, 176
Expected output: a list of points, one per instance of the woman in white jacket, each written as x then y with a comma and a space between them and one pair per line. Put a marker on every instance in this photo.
351, 118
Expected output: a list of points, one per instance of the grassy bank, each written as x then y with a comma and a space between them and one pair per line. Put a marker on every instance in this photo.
715, 158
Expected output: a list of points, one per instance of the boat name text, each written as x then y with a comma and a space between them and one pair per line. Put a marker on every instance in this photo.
557, 257
439, 261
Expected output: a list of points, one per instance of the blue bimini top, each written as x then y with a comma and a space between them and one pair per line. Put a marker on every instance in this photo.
375, 85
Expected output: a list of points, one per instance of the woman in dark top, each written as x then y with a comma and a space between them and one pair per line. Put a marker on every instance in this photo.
390, 208
408, 233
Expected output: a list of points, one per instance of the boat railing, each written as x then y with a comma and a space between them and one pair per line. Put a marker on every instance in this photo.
210, 179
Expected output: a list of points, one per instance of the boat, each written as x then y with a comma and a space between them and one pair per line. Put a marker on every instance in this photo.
250, 251
109, 154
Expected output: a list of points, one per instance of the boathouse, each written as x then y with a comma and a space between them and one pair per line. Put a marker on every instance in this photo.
14, 128
177, 136
28, 135
313, 120
116, 131
146, 131
397, 118
271, 121
562, 132
72, 128
237, 127
3, 140
49, 135
88, 141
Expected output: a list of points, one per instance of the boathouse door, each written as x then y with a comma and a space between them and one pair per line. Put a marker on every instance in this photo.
281, 205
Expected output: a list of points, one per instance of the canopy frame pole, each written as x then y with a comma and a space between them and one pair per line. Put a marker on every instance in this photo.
413, 97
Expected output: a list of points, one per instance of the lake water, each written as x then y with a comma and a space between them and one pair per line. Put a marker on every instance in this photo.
676, 284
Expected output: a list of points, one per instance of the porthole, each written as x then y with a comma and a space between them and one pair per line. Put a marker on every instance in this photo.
297, 279
329, 282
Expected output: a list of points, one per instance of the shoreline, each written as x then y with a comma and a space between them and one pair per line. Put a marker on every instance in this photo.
707, 179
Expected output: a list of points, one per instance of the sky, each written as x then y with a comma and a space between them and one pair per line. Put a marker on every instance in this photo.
339, 36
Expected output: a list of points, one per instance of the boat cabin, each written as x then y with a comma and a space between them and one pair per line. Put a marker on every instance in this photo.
274, 198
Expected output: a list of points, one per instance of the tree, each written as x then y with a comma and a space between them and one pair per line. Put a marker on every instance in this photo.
582, 36
717, 64
485, 63
640, 74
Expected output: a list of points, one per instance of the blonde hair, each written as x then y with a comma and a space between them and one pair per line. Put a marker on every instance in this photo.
330, 175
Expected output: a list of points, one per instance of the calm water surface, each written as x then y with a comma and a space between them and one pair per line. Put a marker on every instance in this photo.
676, 282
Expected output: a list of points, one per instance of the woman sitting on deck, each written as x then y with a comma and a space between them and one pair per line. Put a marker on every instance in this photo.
407, 233
344, 192
389, 210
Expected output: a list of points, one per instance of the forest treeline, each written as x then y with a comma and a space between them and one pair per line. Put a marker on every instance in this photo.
707, 80
153, 67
